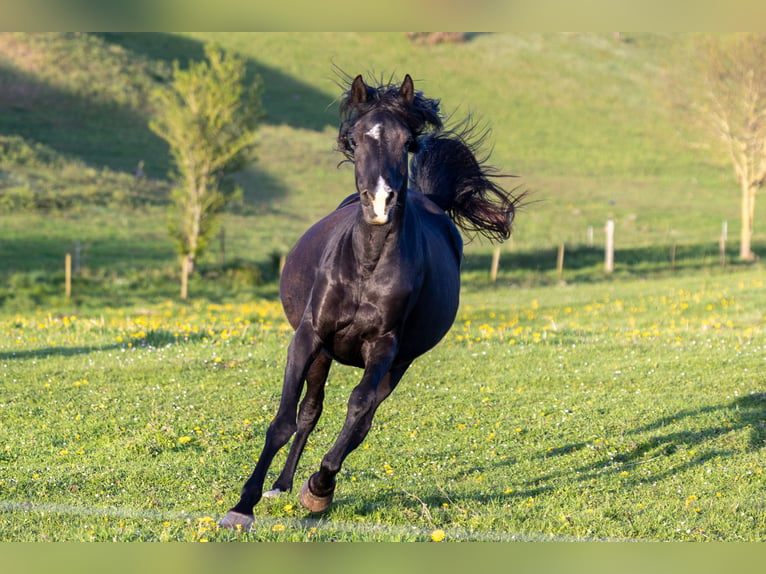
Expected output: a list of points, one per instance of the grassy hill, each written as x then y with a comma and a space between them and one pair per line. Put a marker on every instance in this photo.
584, 120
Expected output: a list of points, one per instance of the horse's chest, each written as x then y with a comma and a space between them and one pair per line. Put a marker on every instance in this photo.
376, 308
370, 310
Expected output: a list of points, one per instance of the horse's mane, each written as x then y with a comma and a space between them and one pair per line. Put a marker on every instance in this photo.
447, 165
420, 116
451, 170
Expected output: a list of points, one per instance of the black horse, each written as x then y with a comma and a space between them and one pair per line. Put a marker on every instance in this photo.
375, 284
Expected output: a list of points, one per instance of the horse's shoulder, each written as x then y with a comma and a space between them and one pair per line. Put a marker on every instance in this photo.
438, 219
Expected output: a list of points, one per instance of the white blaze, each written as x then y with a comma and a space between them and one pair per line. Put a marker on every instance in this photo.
379, 200
374, 132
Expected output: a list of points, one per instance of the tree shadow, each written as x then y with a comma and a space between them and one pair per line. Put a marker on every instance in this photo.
48, 352
286, 99
154, 339
96, 132
747, 413
102, 134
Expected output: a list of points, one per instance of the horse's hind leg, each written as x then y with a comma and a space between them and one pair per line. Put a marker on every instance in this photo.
310, 411
317, 492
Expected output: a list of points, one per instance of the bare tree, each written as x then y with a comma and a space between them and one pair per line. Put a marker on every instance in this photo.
208, 117
733, 106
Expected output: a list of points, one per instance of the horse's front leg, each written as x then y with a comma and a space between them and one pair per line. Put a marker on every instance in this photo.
308, 415
302, 351
378, 382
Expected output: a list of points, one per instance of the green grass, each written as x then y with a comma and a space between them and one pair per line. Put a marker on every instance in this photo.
606, 411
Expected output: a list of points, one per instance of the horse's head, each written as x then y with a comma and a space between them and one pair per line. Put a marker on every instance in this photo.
381, 140
381, 128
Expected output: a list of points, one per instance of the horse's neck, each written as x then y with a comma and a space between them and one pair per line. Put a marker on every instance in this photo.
370, 242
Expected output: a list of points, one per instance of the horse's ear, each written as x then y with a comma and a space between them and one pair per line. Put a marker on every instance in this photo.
358, 91
407, 90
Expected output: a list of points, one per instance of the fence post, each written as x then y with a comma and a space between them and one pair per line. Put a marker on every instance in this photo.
185, 270
560, 260
68, 275
722, 243
495, 264
609, 254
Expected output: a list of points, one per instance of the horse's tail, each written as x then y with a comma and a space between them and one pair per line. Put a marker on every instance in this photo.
447, 170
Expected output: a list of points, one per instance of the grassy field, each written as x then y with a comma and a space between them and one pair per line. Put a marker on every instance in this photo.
585, 405
590, 125
630, 411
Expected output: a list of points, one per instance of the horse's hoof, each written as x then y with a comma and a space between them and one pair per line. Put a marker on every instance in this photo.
312, 502
236, 521
274, 493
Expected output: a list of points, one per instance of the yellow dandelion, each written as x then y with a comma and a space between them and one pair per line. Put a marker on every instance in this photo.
437, 535
278, 528
184, 439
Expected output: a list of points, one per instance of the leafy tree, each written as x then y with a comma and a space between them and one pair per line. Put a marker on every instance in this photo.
208, 116
732, 102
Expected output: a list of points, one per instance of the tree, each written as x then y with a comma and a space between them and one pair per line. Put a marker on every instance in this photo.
208, 116
733, 104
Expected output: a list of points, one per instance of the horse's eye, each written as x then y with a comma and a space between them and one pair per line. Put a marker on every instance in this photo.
412, 145
351, 142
